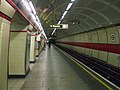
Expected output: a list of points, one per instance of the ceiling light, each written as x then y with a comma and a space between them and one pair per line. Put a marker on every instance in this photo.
32, 7
37, 18
59, 22
62, 17
33, 17
69, 6
22, 1
26, 5
72, 0
54, 31
65, 13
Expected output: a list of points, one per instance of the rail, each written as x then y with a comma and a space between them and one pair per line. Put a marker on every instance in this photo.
109, 72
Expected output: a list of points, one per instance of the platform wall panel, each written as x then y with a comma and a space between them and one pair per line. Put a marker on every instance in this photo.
4, 44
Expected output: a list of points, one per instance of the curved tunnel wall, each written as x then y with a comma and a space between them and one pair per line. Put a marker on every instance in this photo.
91, 14
103, 44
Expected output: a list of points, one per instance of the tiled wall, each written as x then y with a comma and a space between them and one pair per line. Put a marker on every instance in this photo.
4, 38
6, 8
107, 36
17, 53
18, 27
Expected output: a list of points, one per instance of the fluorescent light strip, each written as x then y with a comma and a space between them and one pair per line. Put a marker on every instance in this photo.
37, 18
22, 1
62, 17
32, 7
72, 0
69, 6
65, 13
59, 22
33, 17
55, 28
54, 31
26, 5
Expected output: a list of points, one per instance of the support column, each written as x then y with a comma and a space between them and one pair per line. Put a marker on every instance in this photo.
40, 44
6, 13
19, 53
4, 39
32, 50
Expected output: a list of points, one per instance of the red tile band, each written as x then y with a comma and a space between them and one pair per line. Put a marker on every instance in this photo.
113, 48
18, 31
20, 12
5, 16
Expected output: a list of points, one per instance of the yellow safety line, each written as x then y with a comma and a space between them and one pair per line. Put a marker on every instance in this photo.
86, 70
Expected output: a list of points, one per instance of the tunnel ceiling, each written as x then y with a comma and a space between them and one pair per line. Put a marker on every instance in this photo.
90, 13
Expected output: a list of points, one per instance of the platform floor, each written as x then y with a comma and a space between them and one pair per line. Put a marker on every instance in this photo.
53, 71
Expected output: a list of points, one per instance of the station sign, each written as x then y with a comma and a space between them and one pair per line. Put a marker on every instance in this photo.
56, 26
59, 26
